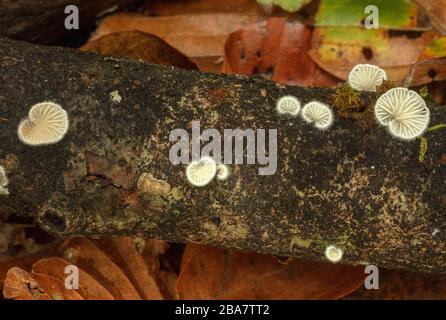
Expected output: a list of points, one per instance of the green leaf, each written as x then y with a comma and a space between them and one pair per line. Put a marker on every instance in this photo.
436, 49
287, 5
392, 13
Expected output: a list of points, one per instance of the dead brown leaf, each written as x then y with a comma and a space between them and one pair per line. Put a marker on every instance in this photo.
210, 273
88, 257
160, 266
120, 268
276, 49
201, 35
25, 262
436, 11
124, 252
89, 288
141, 46
20, 285
401, 285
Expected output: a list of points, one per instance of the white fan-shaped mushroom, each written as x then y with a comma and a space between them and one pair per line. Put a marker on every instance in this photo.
3, 182
47, 123
366, 77
288, 105
223, 172
404, 112
318, 114
200, 173
333, 253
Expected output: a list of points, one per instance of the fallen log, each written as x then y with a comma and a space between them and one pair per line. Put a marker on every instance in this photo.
353, 186
42, 21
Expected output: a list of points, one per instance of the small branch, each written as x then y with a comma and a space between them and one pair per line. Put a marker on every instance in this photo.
353, 186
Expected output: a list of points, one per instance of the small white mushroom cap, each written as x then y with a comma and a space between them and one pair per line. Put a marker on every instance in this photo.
319, 114
223, 172
288, 105
404, 112
333, 253
3, 182
366, 77
200, 173
47, 123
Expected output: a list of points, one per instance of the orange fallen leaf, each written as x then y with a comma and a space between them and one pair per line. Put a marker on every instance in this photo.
121, 268
160, 267
89, 288
25, 262
200, 35
425, 71
210, 273
82, 253
124, 253
401, 285
195, 8
139, 45
20, 285
276, 49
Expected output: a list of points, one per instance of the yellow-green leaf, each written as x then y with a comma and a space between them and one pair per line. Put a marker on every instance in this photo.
287, 5
434, 50
391, 13
338, 49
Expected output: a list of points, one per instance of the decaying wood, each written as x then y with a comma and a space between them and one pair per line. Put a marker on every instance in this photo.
42, 21
353, 186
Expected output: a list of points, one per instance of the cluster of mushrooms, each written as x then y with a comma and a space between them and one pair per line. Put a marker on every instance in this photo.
402, 111
315, 112
200, 173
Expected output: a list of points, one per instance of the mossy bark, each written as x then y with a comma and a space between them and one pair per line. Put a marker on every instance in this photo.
42, 21
353, 186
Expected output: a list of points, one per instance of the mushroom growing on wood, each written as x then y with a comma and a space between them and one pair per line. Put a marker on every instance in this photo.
288, 105
223, 172
318, 114
366, 77
47, 123
202, 172
333, 253
404, 112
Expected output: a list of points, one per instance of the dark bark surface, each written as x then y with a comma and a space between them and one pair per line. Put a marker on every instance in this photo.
42, 21
352, 186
